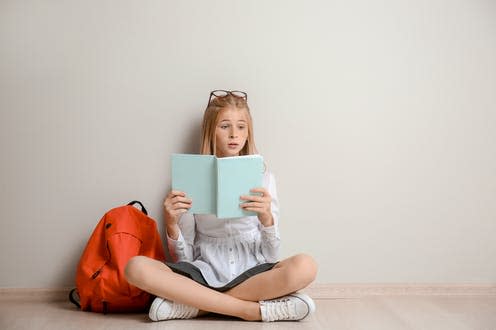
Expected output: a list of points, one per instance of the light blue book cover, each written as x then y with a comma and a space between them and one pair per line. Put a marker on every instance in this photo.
196, 176
235, 177
215, 184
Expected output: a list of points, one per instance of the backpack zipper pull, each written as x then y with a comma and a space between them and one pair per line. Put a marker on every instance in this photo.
95, 274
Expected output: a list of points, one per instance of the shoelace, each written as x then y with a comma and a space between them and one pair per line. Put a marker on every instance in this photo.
283, 309
181, 311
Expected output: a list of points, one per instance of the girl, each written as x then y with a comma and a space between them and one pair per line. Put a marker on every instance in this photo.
226, 266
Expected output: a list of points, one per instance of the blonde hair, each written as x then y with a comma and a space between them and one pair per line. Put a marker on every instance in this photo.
210, 121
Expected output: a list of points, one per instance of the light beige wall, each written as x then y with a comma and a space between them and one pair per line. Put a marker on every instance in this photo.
378, 119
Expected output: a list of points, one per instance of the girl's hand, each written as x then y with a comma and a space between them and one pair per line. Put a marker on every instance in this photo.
260, 204
176, 204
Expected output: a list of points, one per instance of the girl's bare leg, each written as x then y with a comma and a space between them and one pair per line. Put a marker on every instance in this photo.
288, 276
156, 278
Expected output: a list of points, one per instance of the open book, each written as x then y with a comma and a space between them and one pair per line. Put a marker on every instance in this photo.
215, 184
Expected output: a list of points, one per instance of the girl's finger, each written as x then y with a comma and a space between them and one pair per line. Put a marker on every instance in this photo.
175, 193
261, 191
255, 198
252, 198
254, 204
254, 209
180, 199
179, 206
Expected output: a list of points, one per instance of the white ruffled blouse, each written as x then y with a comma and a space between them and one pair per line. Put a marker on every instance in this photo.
224, 248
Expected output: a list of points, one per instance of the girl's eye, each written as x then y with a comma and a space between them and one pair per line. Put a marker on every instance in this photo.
241, 127
224, 126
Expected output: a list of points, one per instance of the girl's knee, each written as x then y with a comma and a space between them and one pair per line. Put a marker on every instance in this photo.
135, 269
306, 266
139, 269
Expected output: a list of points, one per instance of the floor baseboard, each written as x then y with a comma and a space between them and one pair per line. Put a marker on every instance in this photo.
347, 290
35, 294
316, 291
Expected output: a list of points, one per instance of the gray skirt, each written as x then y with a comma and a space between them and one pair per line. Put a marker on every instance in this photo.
194, 273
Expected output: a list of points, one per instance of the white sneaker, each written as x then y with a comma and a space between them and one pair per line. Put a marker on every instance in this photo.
293, 307
163, 309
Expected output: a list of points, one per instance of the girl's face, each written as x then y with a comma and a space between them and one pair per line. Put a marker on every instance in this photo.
231, 132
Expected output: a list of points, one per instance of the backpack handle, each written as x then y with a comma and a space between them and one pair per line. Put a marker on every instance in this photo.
142, 207
74, 297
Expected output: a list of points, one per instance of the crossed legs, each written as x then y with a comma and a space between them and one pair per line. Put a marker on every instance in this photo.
287, 276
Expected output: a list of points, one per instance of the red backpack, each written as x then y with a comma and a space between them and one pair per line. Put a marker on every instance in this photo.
122, 233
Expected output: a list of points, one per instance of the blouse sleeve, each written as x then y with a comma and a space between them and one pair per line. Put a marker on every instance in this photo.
182, 248
271, 240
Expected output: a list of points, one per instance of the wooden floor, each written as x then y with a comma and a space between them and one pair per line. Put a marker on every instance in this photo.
374, 312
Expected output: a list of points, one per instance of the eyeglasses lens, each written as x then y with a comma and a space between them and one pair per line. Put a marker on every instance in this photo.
239, 94
220, 93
